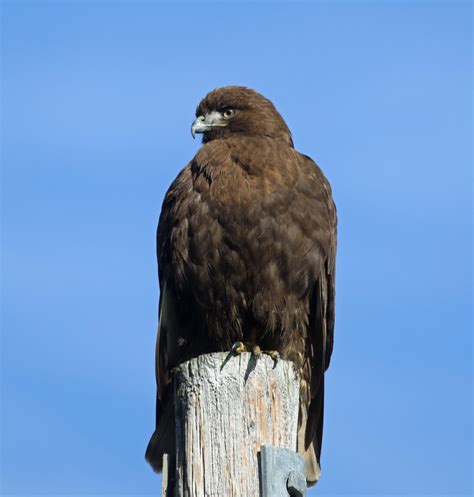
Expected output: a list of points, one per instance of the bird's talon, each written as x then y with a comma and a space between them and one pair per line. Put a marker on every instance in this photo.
238, 348
256, 351
274, 354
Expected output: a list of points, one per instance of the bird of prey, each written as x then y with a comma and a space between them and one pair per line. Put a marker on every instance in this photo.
246, 247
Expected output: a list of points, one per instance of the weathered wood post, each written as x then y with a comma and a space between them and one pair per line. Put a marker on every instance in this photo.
226, 408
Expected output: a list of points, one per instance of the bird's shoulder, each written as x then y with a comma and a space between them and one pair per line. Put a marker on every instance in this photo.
313, 183
251, 170
253, 164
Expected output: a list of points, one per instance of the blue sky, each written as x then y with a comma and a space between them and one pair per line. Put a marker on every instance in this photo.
98, 98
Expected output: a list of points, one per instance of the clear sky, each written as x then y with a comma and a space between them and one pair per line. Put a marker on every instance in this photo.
98, 98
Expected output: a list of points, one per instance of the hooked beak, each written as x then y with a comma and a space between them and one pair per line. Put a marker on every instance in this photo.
205, 123
199, 126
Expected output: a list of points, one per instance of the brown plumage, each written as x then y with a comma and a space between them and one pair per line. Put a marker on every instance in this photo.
246, 247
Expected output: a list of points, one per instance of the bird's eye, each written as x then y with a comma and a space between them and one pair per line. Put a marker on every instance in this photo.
227, 112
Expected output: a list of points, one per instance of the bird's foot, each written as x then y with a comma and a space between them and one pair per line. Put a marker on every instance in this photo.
274, 354
240, 347
256, 351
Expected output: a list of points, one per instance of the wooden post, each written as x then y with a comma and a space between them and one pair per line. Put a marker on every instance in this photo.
226, 407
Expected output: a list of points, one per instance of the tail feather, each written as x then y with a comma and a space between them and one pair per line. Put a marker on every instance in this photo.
310, 433
163, 439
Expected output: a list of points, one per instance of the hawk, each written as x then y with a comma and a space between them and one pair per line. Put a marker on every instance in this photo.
246, 247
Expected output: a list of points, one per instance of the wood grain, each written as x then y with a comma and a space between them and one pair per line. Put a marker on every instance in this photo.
227, 407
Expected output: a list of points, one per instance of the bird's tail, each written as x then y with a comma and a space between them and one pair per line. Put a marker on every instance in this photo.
163, 439
309, 438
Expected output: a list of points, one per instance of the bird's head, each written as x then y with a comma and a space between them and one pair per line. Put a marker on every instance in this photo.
236, 110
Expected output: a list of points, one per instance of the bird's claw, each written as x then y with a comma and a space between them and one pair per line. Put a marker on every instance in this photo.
274, 354
238, 348
256, 351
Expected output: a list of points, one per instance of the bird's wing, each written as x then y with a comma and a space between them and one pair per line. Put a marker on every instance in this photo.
171, 313
321, 318
322, 340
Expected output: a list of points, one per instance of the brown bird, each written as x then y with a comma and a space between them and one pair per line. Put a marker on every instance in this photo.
246, 247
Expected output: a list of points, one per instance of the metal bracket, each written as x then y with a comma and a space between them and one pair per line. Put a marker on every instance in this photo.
281, 472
